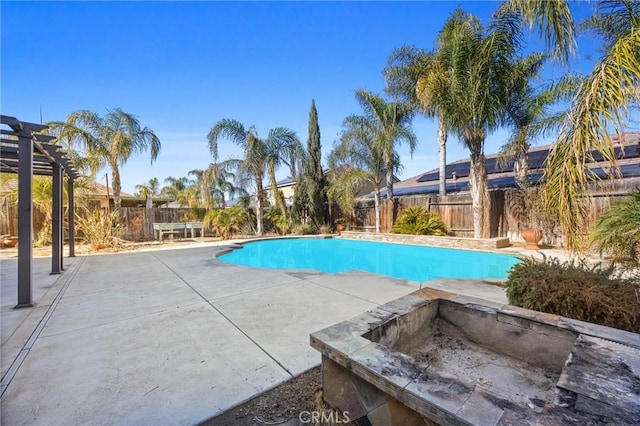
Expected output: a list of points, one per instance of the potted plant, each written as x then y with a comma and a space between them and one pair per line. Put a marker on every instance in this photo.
341, 224
530, 216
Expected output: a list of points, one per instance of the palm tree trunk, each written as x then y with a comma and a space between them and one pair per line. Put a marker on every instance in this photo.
277, 196
259, 207
521, 166
389, 174
115, 184
442, 151
377, 207
479, 193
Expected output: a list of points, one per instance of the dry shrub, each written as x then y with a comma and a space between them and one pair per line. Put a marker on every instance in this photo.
101, 229
577, 291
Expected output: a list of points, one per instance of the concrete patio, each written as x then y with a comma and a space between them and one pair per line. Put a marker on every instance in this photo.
170, 336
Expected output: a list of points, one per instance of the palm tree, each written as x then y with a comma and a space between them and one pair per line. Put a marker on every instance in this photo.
466, 80
175, 188
218, 182
483, 72
258, 153
419, 77
603, 102
149, 190
478, 67
357, 160
529, 113
285, 149
391, 122
108, 140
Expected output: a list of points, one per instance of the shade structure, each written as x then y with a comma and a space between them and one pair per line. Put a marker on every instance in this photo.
26, 151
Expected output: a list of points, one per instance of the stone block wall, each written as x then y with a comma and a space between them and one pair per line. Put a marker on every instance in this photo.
429, 240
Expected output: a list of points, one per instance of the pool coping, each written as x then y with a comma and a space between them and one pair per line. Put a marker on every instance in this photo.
459, 243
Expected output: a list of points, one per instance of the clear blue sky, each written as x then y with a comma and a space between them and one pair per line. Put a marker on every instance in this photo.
182, 66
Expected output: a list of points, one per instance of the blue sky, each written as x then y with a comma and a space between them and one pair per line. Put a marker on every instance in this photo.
182, 66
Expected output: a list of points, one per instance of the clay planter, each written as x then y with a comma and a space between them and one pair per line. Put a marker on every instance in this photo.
340, 227
9, 241
532, 237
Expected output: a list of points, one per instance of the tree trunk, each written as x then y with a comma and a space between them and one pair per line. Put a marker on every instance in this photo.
389, 181
259, 190
277, 196
377, 204
479, 193
521, 167
442, 151
115, 185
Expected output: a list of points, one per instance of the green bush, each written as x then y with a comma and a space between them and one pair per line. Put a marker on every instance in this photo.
304, 229
226, 222
577, 291
418, 221
275, 220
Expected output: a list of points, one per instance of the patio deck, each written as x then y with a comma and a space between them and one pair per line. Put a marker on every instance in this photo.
169, 336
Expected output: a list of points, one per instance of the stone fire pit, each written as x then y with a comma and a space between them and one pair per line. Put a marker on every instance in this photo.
437, 357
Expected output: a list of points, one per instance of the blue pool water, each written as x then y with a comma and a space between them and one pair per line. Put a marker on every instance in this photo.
415, 263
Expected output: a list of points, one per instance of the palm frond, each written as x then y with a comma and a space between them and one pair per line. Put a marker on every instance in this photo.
602, 103
227, 128
554, 21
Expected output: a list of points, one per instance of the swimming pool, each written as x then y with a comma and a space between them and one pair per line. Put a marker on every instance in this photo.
334, 255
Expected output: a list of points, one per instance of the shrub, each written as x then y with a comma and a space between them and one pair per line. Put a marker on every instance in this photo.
304, 229
418, 221
577, 291
617, 231
100, 229
274, 219
325, 229
226, 222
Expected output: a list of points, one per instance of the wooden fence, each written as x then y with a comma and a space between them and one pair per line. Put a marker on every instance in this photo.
136, 222
455, 210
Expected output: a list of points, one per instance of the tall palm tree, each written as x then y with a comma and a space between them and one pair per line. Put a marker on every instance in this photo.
604, 101
484, 70
479, 67
108, 140
465, 81
285, 149
357, 160
257, 153
391, 122
419, 77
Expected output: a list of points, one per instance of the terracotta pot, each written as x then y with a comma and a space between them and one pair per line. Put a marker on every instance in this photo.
9, 241
532, 237
340, 227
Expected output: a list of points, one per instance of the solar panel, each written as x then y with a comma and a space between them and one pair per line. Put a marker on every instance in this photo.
536, 161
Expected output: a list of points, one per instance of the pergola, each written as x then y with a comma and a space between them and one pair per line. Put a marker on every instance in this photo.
26, 152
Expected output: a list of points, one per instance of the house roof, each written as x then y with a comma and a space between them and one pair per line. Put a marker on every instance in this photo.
286, 182
95, 189
627, 150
